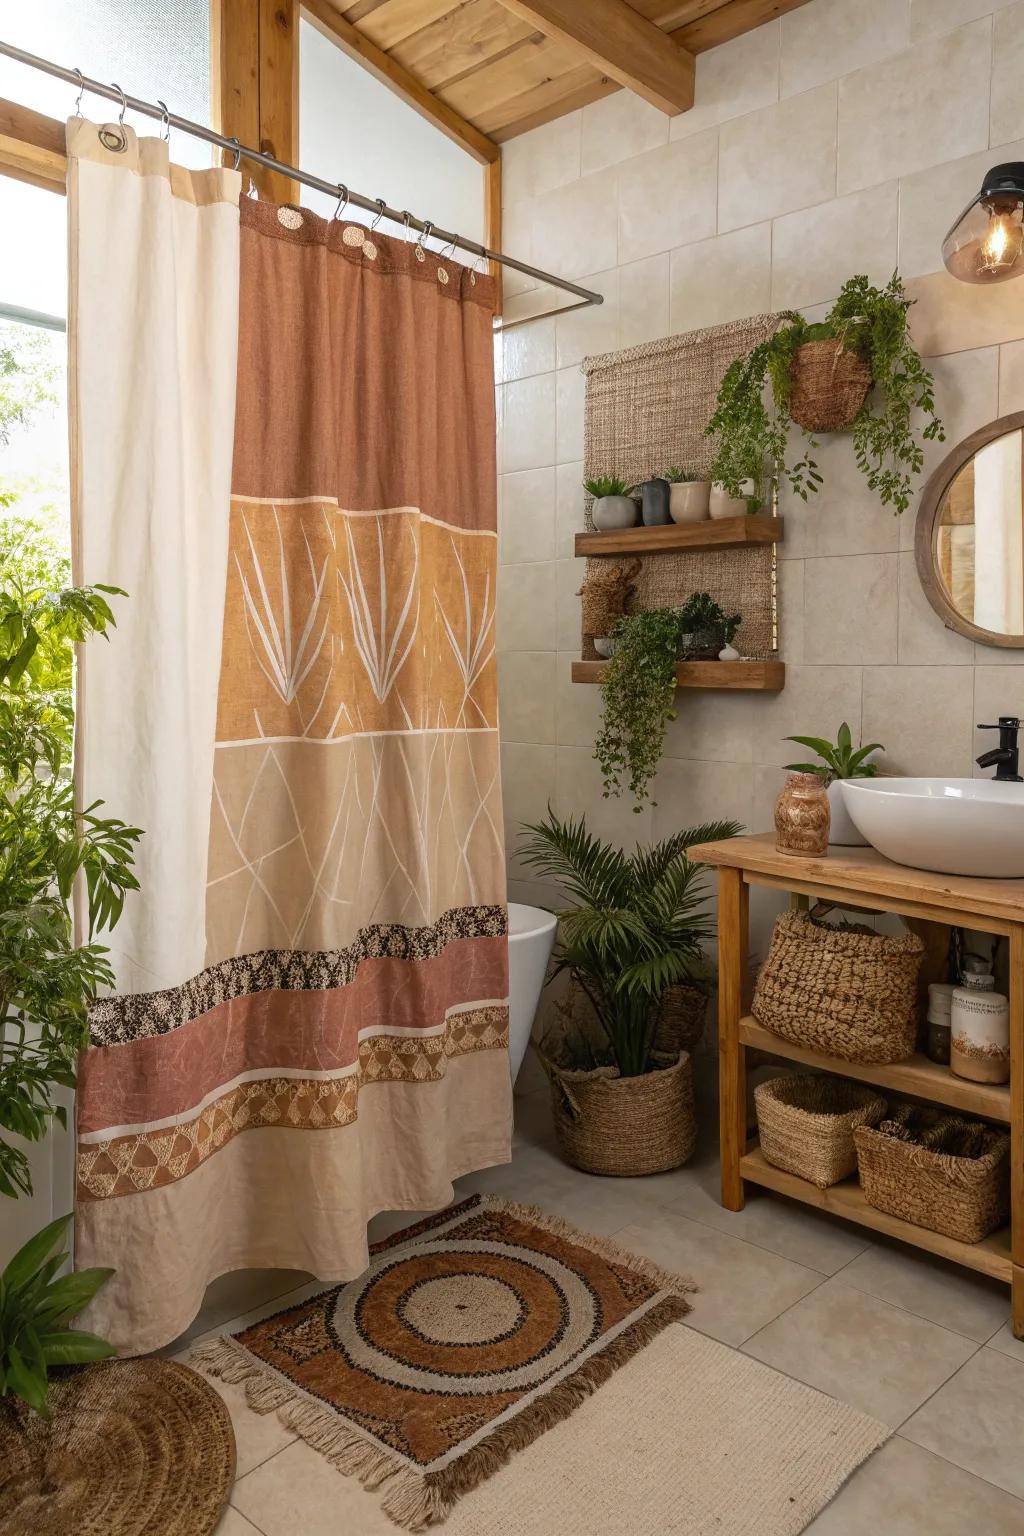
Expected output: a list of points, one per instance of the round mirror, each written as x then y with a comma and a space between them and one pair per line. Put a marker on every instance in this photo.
970, 535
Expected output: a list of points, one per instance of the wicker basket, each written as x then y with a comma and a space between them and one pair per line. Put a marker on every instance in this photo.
914, 1166
852, 995
828, 386
680, 1021
806, 1124
625, 1126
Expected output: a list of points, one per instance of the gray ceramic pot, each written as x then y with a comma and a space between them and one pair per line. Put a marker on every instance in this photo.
655, 502
613, 512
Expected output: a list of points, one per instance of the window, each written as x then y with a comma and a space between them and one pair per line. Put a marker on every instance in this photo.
154, 51
352, 128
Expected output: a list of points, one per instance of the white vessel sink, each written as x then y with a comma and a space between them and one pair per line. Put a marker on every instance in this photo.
953, 826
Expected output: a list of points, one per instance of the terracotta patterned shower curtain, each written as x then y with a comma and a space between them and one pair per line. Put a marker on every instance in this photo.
311, 1016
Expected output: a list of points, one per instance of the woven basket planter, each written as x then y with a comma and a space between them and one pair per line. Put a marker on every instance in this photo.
852, 995
914, 1166
625, 1126
806, 1124
828, 386
680, 1022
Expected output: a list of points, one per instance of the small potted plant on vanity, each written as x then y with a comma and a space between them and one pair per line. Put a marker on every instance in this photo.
613, 506
688, 495
838, 761
621, 1082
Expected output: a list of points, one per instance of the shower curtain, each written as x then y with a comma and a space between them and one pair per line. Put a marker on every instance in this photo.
283, 442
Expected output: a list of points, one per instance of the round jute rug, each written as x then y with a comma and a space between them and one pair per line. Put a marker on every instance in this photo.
134, 1448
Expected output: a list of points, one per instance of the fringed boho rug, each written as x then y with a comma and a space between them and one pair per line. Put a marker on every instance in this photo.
469, 1335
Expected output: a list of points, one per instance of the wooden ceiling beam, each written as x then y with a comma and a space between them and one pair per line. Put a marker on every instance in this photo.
32, 147
725, 22
392, 74
620, 43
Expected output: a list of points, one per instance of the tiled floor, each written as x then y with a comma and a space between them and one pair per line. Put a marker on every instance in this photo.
921, 1345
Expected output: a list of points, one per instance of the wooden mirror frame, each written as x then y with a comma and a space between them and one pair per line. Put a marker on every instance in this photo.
926, 533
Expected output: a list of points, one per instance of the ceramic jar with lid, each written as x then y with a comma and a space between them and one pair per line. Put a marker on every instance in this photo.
802, 816
980, 1032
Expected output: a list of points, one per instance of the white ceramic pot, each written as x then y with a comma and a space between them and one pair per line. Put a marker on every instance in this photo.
721, 504
605, 646
614, 512
688, 500
728, 653
844, 833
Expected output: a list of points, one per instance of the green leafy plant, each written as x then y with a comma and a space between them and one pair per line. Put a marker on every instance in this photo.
606, 485
751, 429
638, 693
701, 612
36, 1305
839, 760
45, 980
636, 925
677, 476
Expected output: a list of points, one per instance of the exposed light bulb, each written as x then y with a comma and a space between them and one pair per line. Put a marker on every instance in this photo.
986, 244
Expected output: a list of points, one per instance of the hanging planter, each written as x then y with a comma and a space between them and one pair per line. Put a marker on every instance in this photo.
819, 378
828, 386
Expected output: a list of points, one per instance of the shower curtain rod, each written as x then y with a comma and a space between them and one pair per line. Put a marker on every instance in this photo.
375, 205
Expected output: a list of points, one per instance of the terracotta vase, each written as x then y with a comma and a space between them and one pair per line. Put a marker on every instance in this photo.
802, 816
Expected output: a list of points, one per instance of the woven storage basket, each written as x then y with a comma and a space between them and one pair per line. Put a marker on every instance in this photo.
852, 995
625, 1126
912, 1167
806, 1124
680, 1021
828, 386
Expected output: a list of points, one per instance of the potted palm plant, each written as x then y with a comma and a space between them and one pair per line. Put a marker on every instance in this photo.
633, 933
838, 761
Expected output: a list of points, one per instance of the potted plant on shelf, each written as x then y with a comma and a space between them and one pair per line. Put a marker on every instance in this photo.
820, 377
613, 506
46, 980
633, 933
688, 495
637, 694
704, 627
838, 761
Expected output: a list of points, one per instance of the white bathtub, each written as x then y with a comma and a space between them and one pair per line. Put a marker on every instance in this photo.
531, 937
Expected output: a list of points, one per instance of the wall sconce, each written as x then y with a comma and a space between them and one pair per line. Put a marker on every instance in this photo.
986, 244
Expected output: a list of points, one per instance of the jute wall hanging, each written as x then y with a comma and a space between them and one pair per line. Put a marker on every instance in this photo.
646, 408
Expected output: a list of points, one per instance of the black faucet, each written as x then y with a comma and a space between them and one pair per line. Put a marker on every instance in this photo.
1007, 755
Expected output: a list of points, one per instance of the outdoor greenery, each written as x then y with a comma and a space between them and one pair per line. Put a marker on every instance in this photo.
606, 485
752, 431
47, 849
636, 925
841, 760
36, 1302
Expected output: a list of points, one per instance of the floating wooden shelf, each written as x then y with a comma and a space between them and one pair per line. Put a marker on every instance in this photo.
919, 1077
762, 676
712, 533
991, 1256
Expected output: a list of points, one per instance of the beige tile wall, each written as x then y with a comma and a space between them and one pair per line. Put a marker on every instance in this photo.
841, 138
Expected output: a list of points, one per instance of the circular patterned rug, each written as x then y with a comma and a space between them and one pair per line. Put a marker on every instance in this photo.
134, 1448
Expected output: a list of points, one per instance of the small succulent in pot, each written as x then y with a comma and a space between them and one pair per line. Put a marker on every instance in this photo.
704, 627
613, 507
837, 761
689, 495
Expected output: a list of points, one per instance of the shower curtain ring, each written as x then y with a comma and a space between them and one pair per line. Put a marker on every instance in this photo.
381, 209
475, 268
165, 121
342, 202
238, 153
420, 247
406, 220
116, 138
81, 92
447, 252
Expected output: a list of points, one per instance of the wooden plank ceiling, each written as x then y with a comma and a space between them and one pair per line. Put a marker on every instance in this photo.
505, 66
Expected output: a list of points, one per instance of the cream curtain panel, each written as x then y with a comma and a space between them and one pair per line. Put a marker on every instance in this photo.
284, 452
